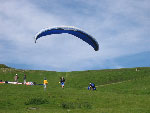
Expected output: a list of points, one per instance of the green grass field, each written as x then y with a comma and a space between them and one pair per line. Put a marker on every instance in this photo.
118, 91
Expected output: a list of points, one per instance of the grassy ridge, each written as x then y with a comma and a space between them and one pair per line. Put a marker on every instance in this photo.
118, 91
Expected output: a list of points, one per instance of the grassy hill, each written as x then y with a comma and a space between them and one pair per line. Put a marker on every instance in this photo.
3, 66
118, 91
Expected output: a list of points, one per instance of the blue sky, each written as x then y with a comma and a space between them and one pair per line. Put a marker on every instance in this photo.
121, 27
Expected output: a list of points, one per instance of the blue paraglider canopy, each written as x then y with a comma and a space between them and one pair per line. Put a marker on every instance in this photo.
70, 30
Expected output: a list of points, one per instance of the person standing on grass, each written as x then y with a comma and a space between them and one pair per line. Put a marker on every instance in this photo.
16, 78
62, 81
24, 78
45, 83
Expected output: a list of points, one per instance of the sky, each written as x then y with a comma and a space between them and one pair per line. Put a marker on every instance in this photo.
121, 27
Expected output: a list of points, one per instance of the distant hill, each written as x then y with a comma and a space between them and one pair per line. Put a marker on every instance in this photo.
135, 60
3, 66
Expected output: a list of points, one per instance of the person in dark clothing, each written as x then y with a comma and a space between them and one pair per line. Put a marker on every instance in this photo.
24, 78
62, 82
92, 86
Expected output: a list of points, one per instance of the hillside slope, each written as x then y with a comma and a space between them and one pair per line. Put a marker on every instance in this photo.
118, 91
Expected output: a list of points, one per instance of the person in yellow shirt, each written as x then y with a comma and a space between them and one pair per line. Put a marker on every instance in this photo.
45, 82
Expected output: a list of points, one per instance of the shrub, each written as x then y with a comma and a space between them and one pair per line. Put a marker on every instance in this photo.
36, 101
76, 105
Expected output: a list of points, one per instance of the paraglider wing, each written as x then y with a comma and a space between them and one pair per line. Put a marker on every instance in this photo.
70, 30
